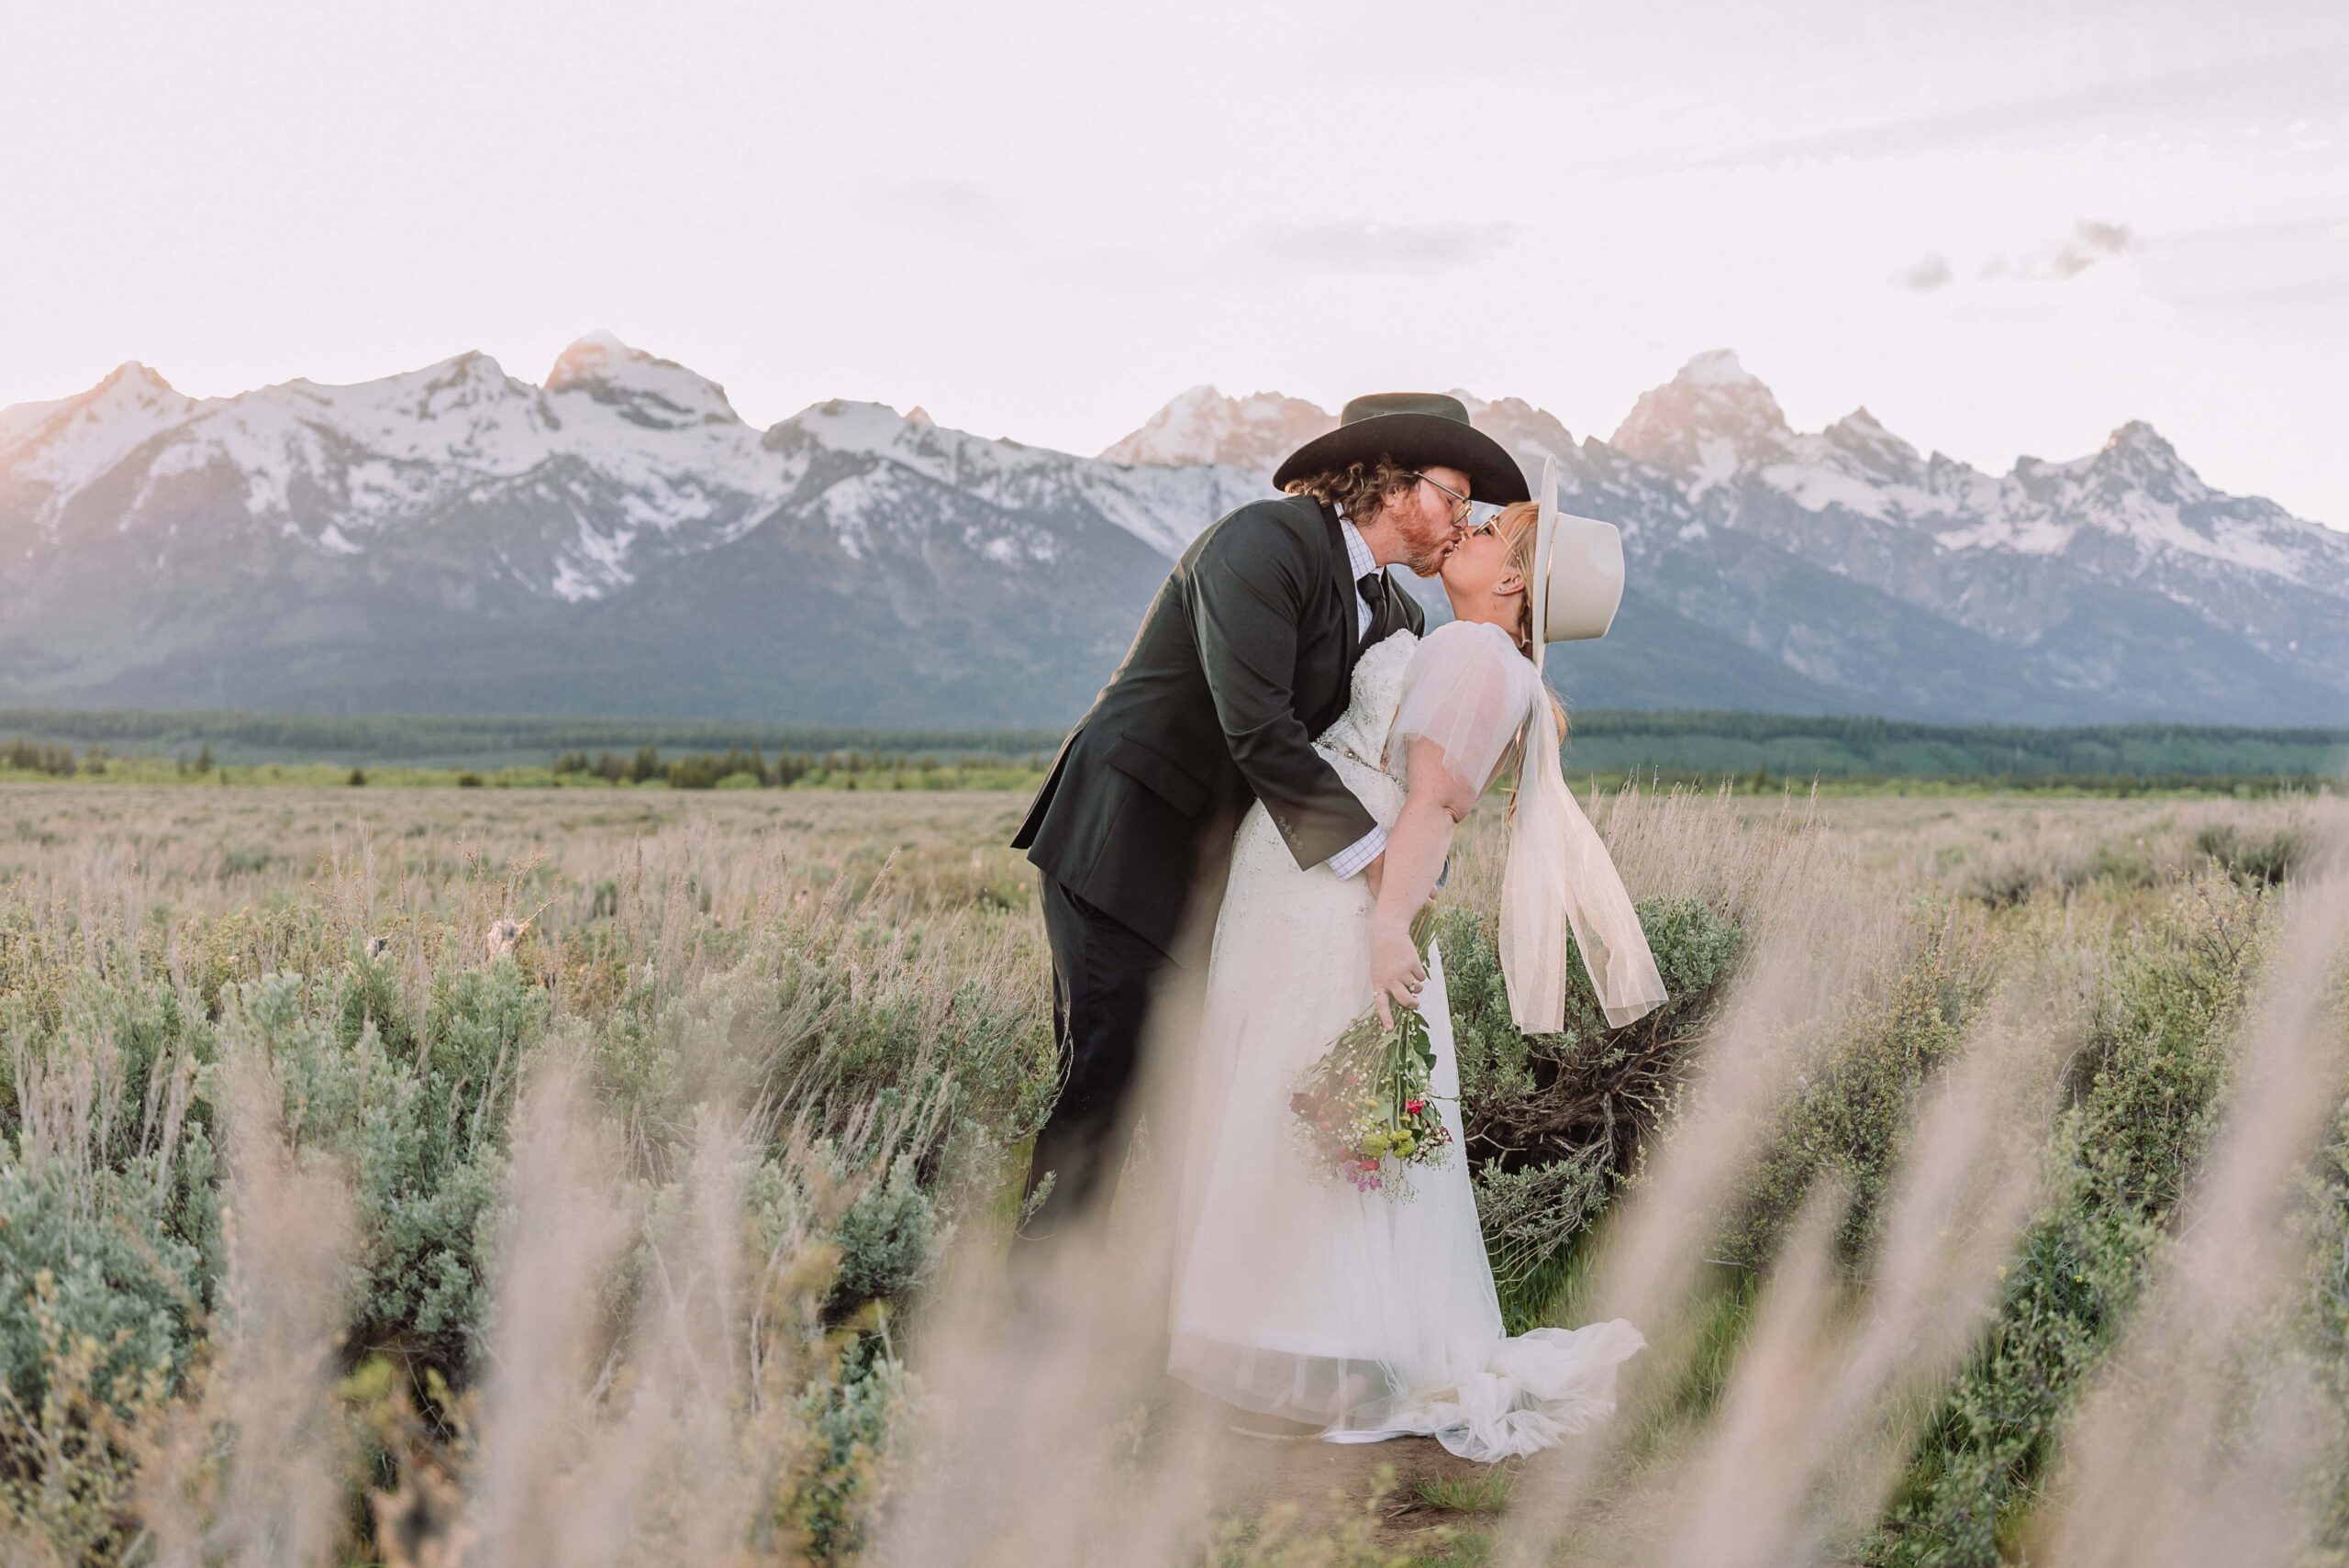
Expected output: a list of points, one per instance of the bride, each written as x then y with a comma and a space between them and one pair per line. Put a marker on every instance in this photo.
1299, 1297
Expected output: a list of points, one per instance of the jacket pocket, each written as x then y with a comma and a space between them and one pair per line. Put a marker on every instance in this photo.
1159, 773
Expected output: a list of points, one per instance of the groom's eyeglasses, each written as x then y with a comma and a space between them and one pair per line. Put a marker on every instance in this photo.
1460, 504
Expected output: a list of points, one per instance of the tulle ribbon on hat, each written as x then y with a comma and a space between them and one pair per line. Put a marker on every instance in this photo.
1558, 877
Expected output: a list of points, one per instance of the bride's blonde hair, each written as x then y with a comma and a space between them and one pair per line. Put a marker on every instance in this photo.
1516, 526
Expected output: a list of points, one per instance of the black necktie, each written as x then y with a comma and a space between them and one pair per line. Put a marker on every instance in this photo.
1373, 587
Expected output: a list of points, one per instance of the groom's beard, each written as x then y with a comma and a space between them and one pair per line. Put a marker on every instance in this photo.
1428, 560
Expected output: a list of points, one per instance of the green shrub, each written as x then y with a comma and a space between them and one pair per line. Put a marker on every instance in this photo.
115, 1227
246, 860
1847, 1119
70, 1462
2125, 862
2005, 882
855, 1420
861, 1033
1969, 1488
888, 1238
884, 1237
2328, 1321
2148, 1079
2267, 860
2144, 1097
92, 1268
422, 1128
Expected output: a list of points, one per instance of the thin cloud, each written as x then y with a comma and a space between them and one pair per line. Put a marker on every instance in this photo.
2091, 240
1354, 245
1931, 272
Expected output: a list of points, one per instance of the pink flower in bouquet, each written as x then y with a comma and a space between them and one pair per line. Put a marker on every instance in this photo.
1366, 1103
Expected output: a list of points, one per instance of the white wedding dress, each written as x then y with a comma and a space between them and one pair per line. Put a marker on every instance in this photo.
1296, 1296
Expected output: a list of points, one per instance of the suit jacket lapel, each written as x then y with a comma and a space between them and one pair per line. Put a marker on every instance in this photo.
1348, 597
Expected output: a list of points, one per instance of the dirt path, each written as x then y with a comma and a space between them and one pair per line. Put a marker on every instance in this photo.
1330, 1483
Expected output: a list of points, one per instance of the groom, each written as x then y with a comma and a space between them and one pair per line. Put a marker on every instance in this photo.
1245, 655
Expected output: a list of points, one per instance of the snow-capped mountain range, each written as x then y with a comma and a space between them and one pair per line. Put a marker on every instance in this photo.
617, 540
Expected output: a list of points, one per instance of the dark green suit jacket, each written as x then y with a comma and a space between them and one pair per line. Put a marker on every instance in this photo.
1246, 654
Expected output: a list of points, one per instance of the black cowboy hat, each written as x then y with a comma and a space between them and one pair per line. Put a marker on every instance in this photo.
1416, 429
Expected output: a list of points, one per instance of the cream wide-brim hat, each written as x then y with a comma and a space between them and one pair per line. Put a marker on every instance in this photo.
1577, 569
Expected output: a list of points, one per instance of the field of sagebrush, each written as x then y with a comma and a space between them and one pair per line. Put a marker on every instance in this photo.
582, 1176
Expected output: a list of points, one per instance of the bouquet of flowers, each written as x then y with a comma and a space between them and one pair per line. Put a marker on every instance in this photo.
1363, 1110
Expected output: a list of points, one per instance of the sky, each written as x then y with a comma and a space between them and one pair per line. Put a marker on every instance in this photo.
2005, 229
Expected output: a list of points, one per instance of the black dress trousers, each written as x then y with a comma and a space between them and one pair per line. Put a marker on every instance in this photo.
1106, 978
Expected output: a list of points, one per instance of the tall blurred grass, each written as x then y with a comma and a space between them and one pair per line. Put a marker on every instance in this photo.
572, 1177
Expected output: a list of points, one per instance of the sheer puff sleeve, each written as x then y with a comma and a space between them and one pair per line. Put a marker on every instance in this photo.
1468, 690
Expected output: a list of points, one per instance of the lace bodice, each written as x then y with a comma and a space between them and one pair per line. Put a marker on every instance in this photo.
1450, 685
1360, 732
1463, 687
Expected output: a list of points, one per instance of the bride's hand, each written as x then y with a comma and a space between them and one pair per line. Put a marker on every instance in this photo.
1395, 971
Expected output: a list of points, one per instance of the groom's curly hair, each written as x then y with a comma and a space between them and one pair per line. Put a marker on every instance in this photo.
1357, 490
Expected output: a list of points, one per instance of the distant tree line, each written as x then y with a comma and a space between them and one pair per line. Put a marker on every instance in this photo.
1859, 730
25, 756
1859, 748
1765, 780
699, 771
705, 769
394, 736
1756, 749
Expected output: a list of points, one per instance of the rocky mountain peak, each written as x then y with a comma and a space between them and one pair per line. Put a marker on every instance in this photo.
1203, 425
2136, 456
472, 366
467, 387
2140, 438
71, 440
1529, 433
1861, 437
135, 379
847, 423
129, 391
643, 388
1712, 420
1718, 367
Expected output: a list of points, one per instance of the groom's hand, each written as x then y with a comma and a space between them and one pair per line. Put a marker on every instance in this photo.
1373, 874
